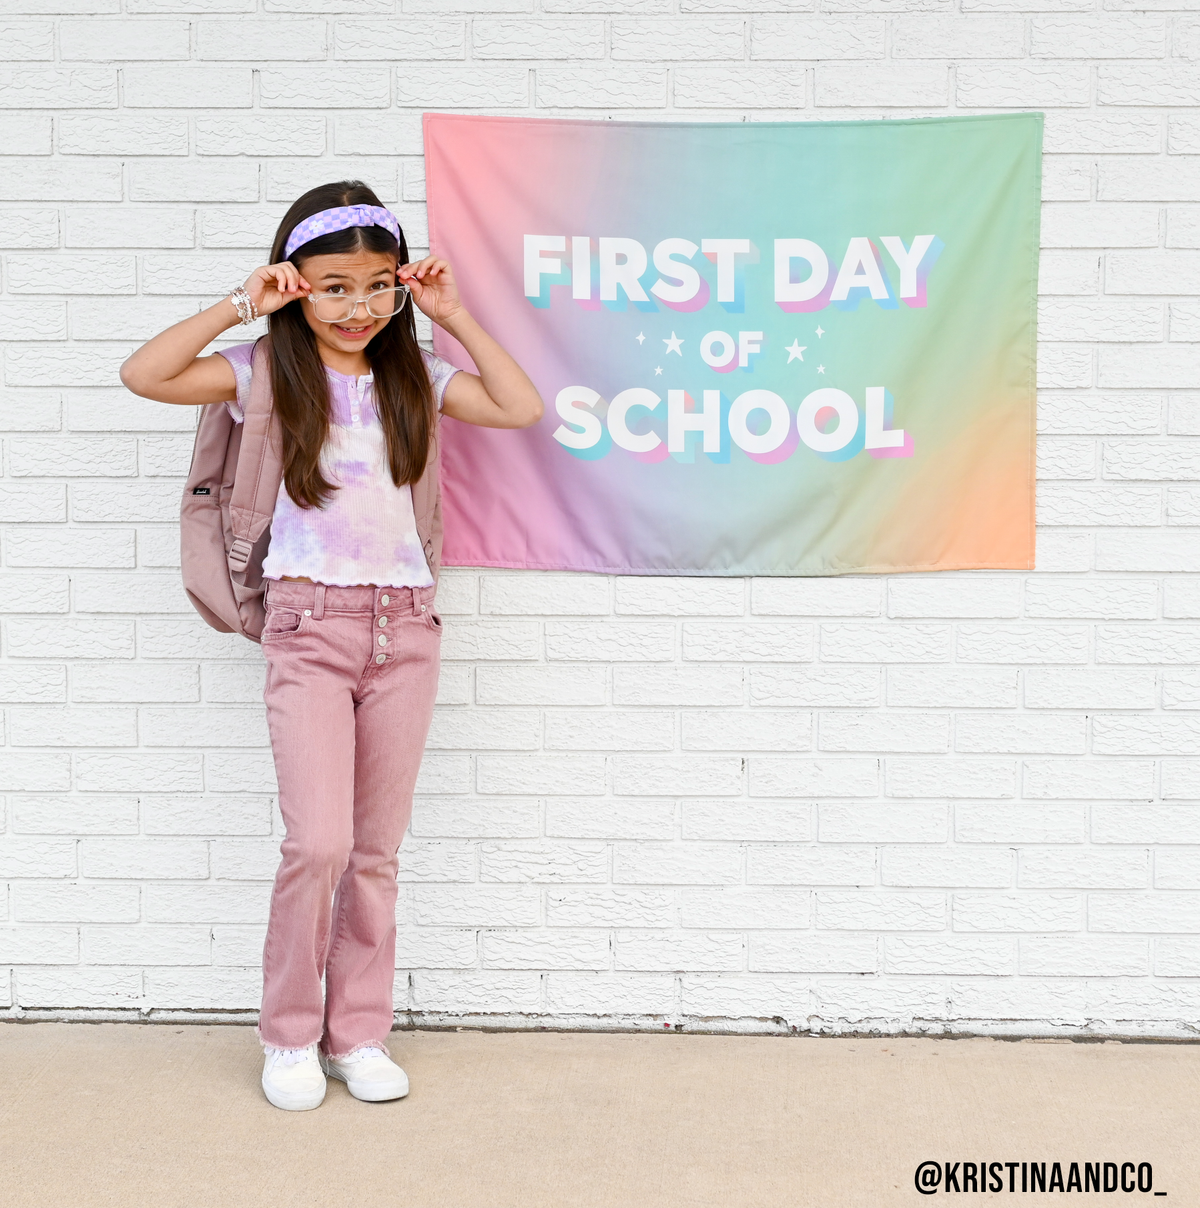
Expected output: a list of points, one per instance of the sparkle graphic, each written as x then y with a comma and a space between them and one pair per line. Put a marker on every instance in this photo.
795, 351
641, 335
820, 368
820, 332
674, 344
658, 369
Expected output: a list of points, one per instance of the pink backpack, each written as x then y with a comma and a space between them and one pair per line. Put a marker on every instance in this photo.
229, 499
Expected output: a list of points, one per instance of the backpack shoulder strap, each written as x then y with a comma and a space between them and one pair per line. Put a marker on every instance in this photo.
259, 467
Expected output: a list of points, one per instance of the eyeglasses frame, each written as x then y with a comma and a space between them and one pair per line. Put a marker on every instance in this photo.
314, 298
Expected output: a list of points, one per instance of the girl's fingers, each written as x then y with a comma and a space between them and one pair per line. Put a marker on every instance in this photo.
282, 276
274, 285
431, 265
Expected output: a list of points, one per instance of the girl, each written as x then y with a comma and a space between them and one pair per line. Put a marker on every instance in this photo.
351, 639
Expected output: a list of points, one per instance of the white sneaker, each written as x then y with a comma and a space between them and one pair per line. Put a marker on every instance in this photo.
292, 1078
369, 1074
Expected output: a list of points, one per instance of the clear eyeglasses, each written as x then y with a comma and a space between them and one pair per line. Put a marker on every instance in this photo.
380, 304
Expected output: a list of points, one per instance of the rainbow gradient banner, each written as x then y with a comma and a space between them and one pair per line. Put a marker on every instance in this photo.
765, 348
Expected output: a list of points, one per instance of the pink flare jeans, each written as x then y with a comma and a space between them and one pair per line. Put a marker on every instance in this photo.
351, 678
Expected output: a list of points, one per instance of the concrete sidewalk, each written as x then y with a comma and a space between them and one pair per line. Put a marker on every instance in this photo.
135, 1115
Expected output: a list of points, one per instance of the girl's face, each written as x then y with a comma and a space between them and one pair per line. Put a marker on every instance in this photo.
350, 275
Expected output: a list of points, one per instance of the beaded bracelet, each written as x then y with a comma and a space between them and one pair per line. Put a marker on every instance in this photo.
244, 304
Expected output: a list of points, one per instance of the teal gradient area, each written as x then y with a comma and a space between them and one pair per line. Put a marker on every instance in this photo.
958, 371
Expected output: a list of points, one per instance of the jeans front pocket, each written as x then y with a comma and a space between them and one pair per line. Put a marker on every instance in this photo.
283, 622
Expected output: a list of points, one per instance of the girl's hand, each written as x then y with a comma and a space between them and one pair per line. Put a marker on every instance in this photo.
275, 285
433, 288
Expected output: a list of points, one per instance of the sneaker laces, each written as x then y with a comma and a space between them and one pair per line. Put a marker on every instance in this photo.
362, 1054
291, 1056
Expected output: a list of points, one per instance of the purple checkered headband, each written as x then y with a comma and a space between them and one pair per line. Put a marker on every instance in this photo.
340, 219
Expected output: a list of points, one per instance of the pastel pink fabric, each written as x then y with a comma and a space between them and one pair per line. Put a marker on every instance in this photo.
366, 532
339, 219
351, 679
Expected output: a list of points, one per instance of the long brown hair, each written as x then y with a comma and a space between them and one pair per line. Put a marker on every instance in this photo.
403, 394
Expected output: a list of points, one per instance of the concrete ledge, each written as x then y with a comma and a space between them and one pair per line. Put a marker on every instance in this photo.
1001, 1029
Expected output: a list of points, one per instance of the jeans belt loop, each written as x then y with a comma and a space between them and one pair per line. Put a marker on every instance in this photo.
319, 602
416, 598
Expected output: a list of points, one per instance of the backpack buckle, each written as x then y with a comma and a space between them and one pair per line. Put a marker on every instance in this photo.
239, 554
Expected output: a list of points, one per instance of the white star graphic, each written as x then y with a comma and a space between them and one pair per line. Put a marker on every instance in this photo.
795, 350
674, 344
658, 368
820, 332
641, 335
820, 368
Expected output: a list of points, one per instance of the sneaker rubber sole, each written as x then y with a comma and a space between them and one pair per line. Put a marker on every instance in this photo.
368, 1092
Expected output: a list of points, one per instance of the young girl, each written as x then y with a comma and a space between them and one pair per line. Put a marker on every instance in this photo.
351, 639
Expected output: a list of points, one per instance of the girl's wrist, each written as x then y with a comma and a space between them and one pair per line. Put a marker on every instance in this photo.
226, 313
456, 322
242, 302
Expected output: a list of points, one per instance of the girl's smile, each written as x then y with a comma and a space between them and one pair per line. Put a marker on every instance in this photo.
354, 333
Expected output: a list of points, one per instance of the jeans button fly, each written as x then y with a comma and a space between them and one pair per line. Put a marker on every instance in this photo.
382, 640
385, 600
382, 621
380, 657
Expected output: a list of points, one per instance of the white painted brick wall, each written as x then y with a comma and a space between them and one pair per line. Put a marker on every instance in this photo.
964, 801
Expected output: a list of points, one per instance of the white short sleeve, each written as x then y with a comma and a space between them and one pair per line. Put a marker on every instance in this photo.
440, 373
241, 358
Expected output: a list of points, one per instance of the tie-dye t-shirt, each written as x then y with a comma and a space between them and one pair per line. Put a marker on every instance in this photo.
366, 532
